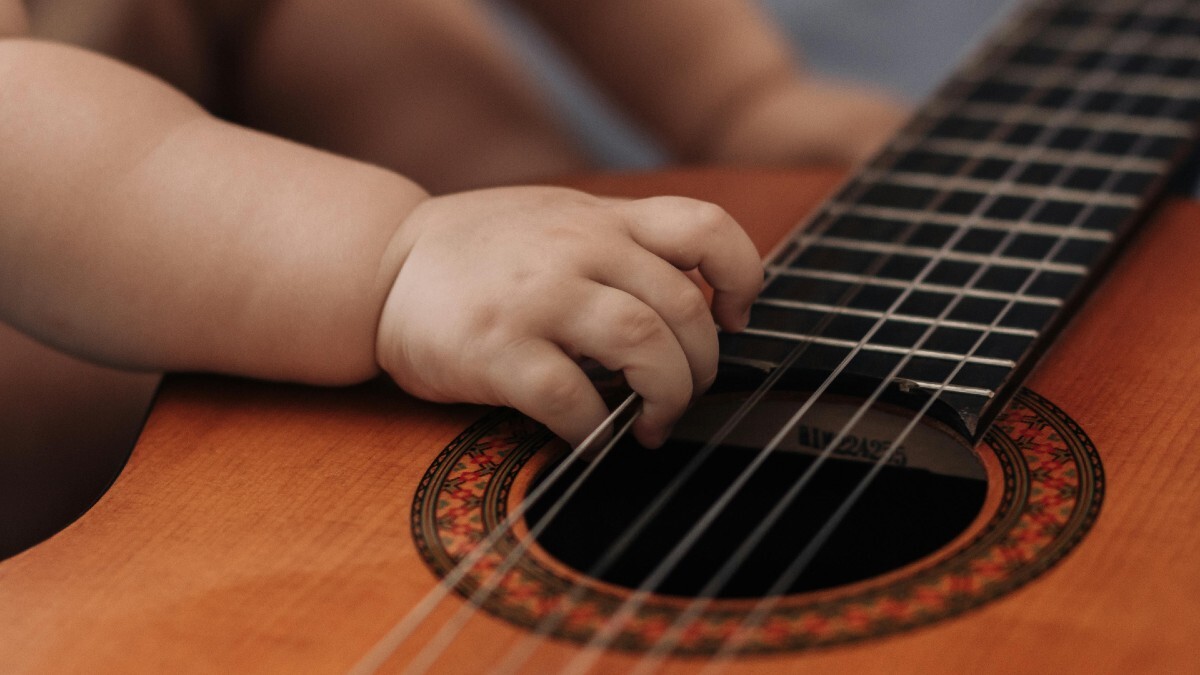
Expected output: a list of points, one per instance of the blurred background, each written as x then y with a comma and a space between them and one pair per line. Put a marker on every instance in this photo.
905, 47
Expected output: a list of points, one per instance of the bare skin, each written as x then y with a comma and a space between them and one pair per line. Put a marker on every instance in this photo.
144, 233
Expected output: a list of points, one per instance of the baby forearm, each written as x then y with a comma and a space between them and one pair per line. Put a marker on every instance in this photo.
679, 65
141, 232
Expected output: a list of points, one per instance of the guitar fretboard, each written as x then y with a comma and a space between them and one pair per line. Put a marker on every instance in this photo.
948, 262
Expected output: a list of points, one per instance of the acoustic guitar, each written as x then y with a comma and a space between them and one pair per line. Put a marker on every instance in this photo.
927, 453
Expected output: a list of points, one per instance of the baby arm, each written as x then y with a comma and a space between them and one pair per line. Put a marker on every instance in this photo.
716, 83
141, 232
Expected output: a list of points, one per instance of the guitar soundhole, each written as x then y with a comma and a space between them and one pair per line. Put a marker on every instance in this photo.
930, 489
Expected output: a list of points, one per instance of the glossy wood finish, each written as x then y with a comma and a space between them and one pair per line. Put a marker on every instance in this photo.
264, 528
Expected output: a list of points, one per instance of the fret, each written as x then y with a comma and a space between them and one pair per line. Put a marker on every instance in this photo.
919, 180
1067, 138
1183, 109
848, 278
953, 388
927, 253
1004, 208
908, 318
997, 149
949, 221
1131, 183
1126, 8
1142, 83
767, 352
1051, 43
768, 365
899, 330
876, 347
941, 334
1033, 113
1130, 63
1125, 18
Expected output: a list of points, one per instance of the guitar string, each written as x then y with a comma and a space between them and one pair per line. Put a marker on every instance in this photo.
446, 635
429, 653
611, 628
797, 567
805, 557
543, 629
699, 457
516, 656
532, 495
398, 633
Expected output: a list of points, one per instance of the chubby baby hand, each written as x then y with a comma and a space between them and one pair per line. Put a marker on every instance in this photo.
502, 292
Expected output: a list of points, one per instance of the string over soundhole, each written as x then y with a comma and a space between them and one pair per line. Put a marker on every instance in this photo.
930, 490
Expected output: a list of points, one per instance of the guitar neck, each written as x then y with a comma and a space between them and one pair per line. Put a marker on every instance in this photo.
948, 263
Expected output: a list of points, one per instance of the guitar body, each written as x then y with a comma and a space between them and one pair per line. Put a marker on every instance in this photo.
266, 528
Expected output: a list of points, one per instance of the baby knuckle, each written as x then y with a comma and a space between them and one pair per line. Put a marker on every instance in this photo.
689, 305
483, 320
556, 390
710, 214
636, 327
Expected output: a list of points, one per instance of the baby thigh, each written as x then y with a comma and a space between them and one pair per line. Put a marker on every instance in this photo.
426, 87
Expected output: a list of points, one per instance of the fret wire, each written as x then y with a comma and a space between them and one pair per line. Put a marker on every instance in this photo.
847, 244
991, 224
766, 365
1166, 46
1111, 10
875, 314
1160, 85
846, 277
924, 180
1001, 150
876, 346
1095, 121
956, 388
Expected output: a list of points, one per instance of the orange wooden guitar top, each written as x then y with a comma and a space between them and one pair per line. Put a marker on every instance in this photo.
264, 528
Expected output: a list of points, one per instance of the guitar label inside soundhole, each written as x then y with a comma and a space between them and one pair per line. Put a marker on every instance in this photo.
826, 427
929, 489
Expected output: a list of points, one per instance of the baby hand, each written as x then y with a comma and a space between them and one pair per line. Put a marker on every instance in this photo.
503, 291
